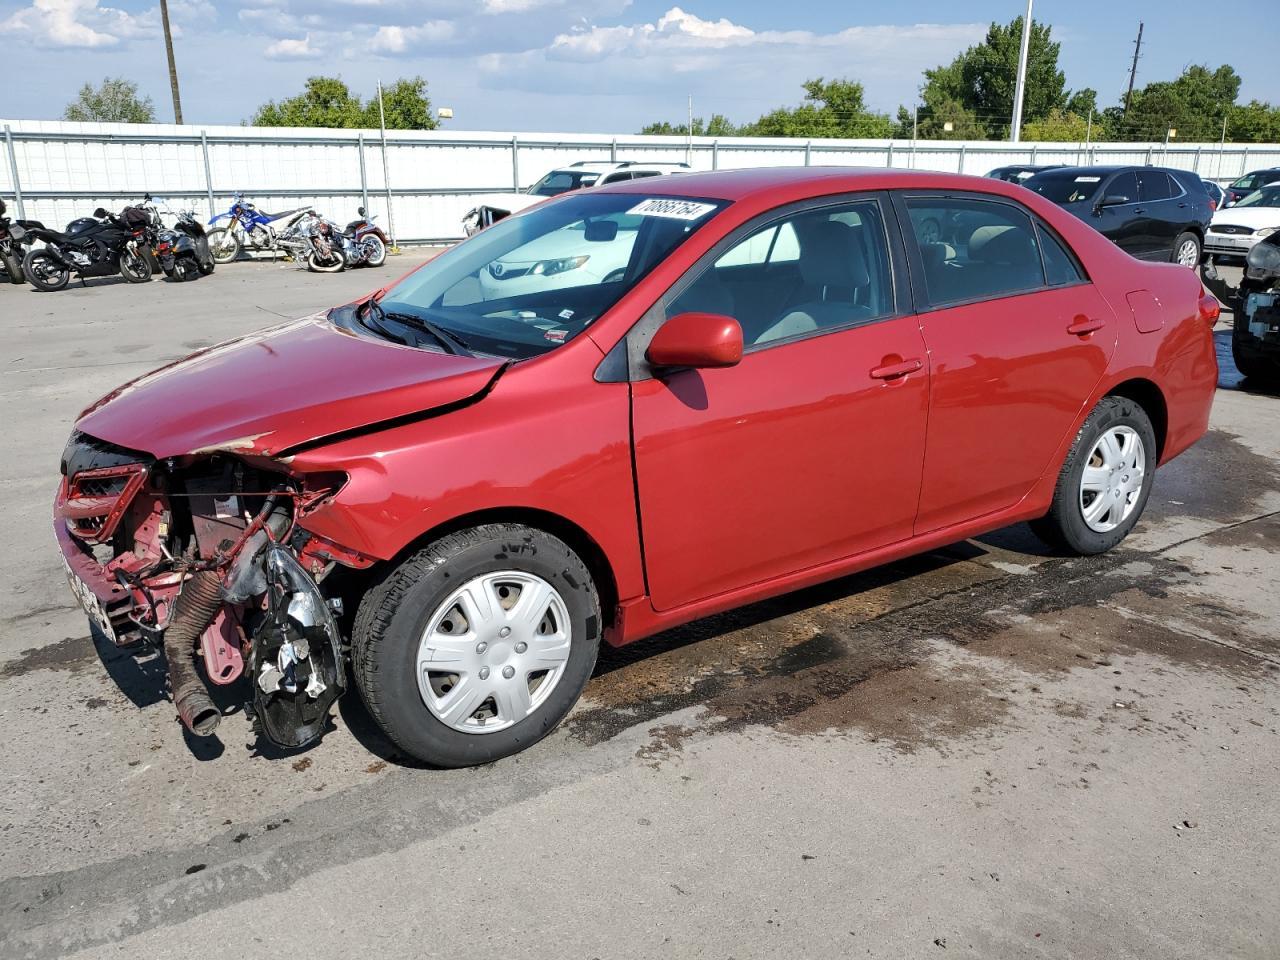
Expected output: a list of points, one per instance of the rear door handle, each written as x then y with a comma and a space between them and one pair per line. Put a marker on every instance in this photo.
1082, 326
891, 371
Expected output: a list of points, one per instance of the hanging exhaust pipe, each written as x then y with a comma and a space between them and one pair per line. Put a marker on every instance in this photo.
193, 611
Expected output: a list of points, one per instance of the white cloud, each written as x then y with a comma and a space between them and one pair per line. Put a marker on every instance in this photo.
78, 24
395, 40
292, 49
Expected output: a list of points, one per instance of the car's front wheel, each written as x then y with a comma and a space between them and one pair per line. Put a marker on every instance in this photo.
1186, 250
1103, 486
475, 647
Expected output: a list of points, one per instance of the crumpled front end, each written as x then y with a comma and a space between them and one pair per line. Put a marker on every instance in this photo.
207, 556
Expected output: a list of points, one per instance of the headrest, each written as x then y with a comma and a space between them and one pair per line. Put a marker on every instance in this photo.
1002, 244
831, 254
936, 254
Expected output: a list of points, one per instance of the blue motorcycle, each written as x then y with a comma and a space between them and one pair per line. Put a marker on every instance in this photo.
248, 228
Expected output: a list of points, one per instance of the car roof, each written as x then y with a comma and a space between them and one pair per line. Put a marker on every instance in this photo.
751, 181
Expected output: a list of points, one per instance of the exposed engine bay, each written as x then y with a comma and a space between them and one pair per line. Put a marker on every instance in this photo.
206, 558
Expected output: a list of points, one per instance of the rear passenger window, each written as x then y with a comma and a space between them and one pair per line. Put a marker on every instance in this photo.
1059, 266
974, 249
1154, 185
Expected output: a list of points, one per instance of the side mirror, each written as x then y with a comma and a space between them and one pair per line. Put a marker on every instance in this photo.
360, 211
1112, 200
100, 214
696, 340
601, 231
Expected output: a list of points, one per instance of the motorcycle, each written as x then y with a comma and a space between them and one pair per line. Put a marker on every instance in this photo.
183, 251
332, 249
97, 246
15, 237
1255, 337
247, 228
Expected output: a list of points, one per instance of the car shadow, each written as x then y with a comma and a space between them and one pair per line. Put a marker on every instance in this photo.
1017, 538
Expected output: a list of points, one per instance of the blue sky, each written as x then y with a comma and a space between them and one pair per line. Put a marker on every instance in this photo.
574, 65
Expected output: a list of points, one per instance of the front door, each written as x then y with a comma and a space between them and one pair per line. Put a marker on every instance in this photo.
810, 449
1017, 339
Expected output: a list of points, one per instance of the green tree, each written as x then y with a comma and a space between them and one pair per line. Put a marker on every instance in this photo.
1254, 122
115, 100
329, 102
1194, 104
1059, 125
831, 108
982, 79
405, 104
964, 125
717, 126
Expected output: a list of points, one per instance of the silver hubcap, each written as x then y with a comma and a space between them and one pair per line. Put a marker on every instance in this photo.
1112, 480
493, 651
1188, 253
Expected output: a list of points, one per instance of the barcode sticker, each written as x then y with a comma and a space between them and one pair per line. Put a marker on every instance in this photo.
672, 209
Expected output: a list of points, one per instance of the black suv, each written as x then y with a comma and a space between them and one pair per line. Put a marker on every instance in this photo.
1152, 213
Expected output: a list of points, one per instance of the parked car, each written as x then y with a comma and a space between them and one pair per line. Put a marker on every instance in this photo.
1241, 188
1235, 230
784, 387
576, 176
1152, 213
1217, 194
1255, 336
1021, 172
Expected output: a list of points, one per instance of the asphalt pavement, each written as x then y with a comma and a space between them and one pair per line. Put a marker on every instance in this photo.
986, 751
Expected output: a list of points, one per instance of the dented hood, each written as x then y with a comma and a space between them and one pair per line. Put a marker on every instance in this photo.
275, 389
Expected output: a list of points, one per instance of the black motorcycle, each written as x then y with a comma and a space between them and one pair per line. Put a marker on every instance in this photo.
97, 246
15, 238
1255, 339
184, 252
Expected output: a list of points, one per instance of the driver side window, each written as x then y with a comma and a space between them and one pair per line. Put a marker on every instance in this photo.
816, 270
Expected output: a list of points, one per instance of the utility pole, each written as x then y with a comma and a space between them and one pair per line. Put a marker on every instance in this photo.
1133, 70
688, 141
386, 175
915, 130
173, 66
1015, 129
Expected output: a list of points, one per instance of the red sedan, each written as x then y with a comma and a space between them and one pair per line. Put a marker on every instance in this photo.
615, 412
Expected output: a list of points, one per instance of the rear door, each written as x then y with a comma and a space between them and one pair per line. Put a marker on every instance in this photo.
1125, 223
1018, 339
807, 451
1159, 198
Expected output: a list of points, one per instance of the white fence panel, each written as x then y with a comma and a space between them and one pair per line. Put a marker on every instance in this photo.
65, 170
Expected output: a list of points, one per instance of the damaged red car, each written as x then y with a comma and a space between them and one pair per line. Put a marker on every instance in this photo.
616, 412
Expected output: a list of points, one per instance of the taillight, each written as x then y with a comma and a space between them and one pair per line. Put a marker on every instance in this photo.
1210, 308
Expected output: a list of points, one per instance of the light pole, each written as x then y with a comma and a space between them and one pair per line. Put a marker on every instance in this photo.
1015, 129
173, 66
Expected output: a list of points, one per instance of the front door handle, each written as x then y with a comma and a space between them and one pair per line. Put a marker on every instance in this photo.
1082, 326
891, 371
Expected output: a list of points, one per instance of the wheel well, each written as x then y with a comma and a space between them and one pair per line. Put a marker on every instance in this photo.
578, 540
1148, 396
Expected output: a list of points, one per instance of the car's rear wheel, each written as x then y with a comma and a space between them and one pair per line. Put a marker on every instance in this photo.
1103, 486
1186, 250
475, 647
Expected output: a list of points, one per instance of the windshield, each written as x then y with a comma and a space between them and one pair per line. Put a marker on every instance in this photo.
534, 281
562, 181
1252, 181
1065, 187
1267, 197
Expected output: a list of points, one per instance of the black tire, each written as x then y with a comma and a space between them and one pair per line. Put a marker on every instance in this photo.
13, 267
1186, 237
224, 245
315, 265
1253, 368
186, 269
134, 267
394, 614
44, 272
1064, 526
206, 268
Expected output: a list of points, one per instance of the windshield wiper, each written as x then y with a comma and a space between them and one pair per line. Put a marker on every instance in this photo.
450, 341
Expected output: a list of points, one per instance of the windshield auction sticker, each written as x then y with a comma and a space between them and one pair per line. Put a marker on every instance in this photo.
672, 209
